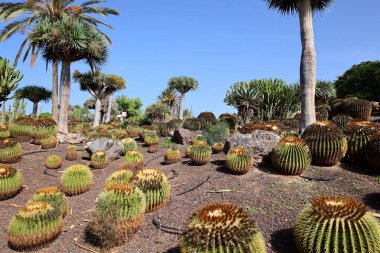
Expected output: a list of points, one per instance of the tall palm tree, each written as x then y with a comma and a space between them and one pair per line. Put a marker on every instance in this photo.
35, 94
69, 40
305, 10
169, 97
100, 86
54, 9
182, 84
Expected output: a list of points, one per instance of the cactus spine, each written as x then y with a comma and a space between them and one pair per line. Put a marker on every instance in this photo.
172, 155
72, 153
53, 162
53, 196
200, 153
239, 160
132, 160
10, 151
99, 160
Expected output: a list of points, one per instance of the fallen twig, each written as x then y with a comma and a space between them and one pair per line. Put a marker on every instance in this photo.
14, 205
91, 210
157, 222
46, 173
178, 185
154, 158
198, 185
222, 191
85, 248
320, 179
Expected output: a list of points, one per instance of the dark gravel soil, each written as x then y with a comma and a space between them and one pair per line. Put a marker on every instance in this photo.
273, 200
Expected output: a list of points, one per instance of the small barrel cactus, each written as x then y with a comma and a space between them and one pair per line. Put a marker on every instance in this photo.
217, 147
76, 179
151, 140
293, 124
239, 160
361, 109
99, 160
222, 227
198, 138
155, 185
53, 162
10, 151
322, 114
132, 160
192, 124
172, 155
22, 129
43, 128
10, 182
4, 132
119, 134
72, 153
342, 120
118, 177
129, 144
36, 223
332, 224
48, 142
326, 141
200, 153
372, 151
291, 156
53, 196
133, 131
188, 151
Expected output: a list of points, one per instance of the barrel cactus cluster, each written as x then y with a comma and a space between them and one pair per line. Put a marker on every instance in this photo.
43, 128
76, 179
10, 151
360, 108
342, 120
200, 153
11, 182
22, 129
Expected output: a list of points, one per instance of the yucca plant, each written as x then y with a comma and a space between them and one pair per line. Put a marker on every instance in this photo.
200, 153
239, 160
76, 179
22, 129
119, 177
129, 144
291, 156
10, 151
342, 120
72, 153
10, 182
43, 128
222, 227
4, 132
132, 160
49, 142
151, 140
53, 196
217, 147
361, 109
53, 162
372, 151
326, 141
99, 160
36, 223
172, 155
332, 224
155, 185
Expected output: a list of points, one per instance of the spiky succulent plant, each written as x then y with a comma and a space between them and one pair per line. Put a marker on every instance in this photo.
372, 151
99, 160
76, 179
326, 141
198, 138
119, 134
293, 124
188, 151
129, 144
49, 142
132, 160
322, 114
239, 160
4, 132
192, 124
361, 109
332, 224
22, 129
342, 120
251, 127
10, 151
71, 154
206, 119
99, 133
43, 128
151, 140
172, 155
133, 131
222, 228
53, 196
217, 147
35, 224
53, 162
119, 177
200, 153
10, 182
291, 156
155, 185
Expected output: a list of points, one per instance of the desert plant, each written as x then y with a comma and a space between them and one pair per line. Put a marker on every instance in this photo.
155, 185
198, 138
192, 124
99, 160
326, 141
49, 142
120, 134
183, 85
157, 112
151, 139
53, 196
222, 227
172, 155
71, 154
217, 147
200, 153
35, 94
291, 156
10, 151
361, 109
325, 91
53, 162
119, 177
252, 127
129, 144
293, 123
43, 128
341, 120
231, 120
332, 224
372, 151
22, 129
188, 151
207, 119
76, 179
217, 133
322, 114
239, 160
4, 132
132, 160
10, 182
132, 131
35, 224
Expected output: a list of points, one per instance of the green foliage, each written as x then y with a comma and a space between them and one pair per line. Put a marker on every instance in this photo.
325, 92
132, 106
167, 143
76, 179
192, 124
291, 6
169, 97
361, 109
183, 84
44, 115
10, 182
9, 79
53, 196
35, 93
362, 81
222, 227
217, 133
10, 151
372, 151
239, 160
291, 156
132, 130
79, 113
332, 224
99, 160
157, 112
53, 162
378, 179
200, 153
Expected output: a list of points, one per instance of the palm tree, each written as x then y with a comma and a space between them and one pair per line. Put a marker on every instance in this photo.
35, 94
305, 10
325, 92
100, 86
182, 84
157, 112
54, 9
169, 97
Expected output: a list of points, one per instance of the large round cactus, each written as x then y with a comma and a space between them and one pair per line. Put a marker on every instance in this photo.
342, 120
239, 160
372, 151
35, 224
53, 196
291, 156
43, 128
99, 160
132, 160
198, 138
200, 153
132, 131
155, 185
118, 177
129, 144
10, 182
4, 132
222, 228
361, 109
22, 129
76, 179
53, 162
10, 151
336, 224
172, 155
326, 141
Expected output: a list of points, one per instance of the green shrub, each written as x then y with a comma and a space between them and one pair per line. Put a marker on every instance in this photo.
217, 133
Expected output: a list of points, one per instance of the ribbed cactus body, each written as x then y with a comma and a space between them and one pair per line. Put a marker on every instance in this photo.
326, 141
342, 120
200, 153
76, 179
99, 160
10, 151
49, 142
217, 147
172, 155
361, 109
119, 177
155, 185
151, 140
372, 151
198, 138
22, 129
129, 144
10, 182
222, 228
291, 156
4, 132
133, 131
336, 224
53, 162
53, 196
239, 160
43, 128
132, 160
35, 224
72, 153
188, 151
322, 114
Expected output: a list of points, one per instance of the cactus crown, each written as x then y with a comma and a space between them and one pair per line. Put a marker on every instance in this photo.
326, 128
24, 121
50, 190
121, 188
7, 171
3, 128
34, 208
120, 176
45, 123
292, 140
53, 159
100, 154
7, 143
149, 178
200, 144
80, 169
72, 148
238, 150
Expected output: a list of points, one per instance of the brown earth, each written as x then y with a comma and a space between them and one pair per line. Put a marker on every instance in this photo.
273, 200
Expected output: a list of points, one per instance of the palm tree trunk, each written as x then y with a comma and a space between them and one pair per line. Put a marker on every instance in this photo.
98, 105
54, 98
181, 104
308, 64
64, 99
109, 109
35, 110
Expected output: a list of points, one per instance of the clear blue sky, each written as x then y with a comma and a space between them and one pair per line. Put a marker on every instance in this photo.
218, 42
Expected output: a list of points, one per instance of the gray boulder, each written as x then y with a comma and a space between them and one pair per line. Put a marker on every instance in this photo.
113, 148
183, 136
72, 138
260, 143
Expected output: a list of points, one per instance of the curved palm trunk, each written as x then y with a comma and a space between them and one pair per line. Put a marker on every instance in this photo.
109, 109
181, 104
35, 110
98, 106
308, 64
54, 98
64, 99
